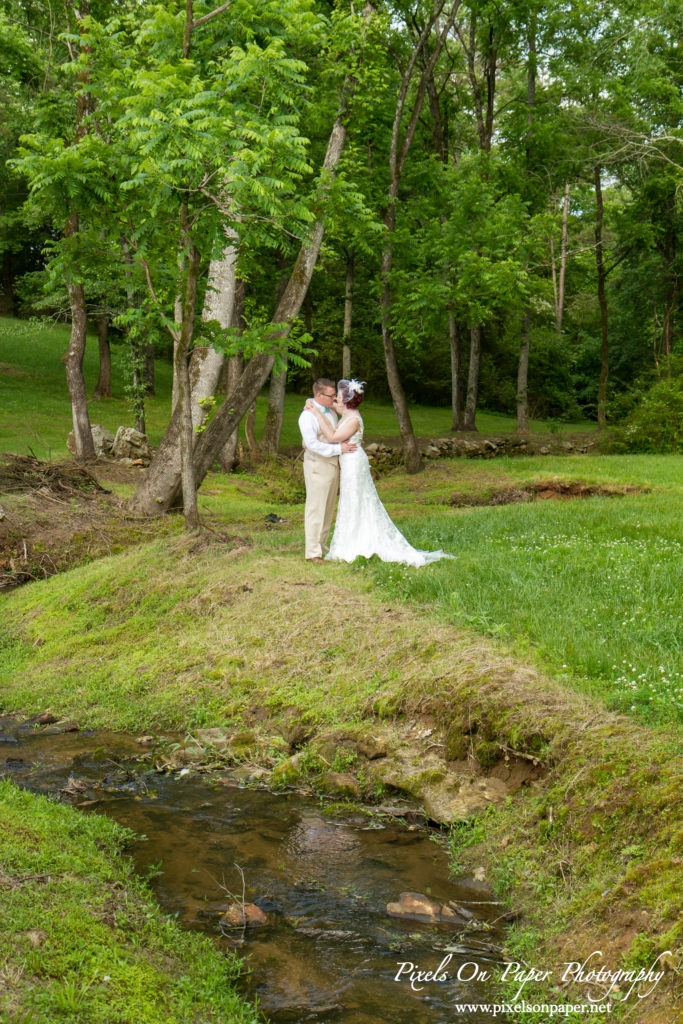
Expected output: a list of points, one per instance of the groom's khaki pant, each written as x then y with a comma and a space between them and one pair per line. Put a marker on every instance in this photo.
322, 485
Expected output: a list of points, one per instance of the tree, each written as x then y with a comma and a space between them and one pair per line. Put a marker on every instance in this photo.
401, 141
57, 170
159, 489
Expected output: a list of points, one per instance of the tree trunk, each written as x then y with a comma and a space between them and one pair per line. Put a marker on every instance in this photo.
136, 346
73, 357
148, 371
159, 489
275, 413
182, 374
523, 376
563, 259
473, 377
224, 303
553, 274
181, 369
602, 301
308, 320
228, 452
235, 366
103, 389
348, 317
138, 386
73, 360
456, 373
669, 314
397, 156
411, 452
177, 319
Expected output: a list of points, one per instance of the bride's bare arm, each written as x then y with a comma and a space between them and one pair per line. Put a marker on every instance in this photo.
343, 431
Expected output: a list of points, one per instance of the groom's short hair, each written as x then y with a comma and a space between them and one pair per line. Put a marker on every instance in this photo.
323, 382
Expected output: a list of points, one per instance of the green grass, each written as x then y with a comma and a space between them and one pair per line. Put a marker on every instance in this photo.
591, 586
35, 412
178, 634
589, 589
102, 951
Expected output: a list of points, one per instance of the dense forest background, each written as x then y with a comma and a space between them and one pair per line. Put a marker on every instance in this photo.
487, 196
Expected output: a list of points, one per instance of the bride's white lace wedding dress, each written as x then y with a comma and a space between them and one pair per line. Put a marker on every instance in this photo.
363, 526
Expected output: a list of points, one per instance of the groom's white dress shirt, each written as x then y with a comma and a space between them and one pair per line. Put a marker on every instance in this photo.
309, 427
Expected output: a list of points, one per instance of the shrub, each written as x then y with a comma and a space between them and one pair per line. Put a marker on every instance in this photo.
656, 423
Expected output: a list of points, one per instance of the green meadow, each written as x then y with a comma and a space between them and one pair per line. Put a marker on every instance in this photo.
556, 628
589, 588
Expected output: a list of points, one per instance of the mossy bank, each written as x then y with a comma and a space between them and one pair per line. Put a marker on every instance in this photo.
194, 633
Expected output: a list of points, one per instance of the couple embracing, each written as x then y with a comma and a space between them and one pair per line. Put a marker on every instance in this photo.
334, 462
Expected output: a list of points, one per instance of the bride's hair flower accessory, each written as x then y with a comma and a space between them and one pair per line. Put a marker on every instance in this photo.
351, 392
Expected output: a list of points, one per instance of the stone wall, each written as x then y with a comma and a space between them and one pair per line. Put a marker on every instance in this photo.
384, 456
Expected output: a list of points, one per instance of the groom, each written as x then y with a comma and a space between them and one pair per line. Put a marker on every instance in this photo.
321, 470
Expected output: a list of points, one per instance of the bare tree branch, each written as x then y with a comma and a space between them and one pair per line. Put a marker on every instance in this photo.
212, 14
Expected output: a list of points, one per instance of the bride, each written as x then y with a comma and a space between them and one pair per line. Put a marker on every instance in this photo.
363, 526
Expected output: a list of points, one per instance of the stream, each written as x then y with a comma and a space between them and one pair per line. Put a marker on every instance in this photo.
329, 952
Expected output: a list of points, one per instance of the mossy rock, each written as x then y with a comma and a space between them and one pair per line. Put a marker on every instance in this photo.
287, 772
244, 741
413, 783
339, 784
248, 745
372, 747
333, 748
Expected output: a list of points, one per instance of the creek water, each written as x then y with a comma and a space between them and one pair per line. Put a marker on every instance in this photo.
329, 952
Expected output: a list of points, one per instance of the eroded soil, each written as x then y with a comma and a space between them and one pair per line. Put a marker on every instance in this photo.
542, 490
55, 515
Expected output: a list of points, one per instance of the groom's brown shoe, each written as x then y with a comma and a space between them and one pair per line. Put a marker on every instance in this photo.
318, 560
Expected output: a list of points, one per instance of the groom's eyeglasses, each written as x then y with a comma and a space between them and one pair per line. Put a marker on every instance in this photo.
321, 394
